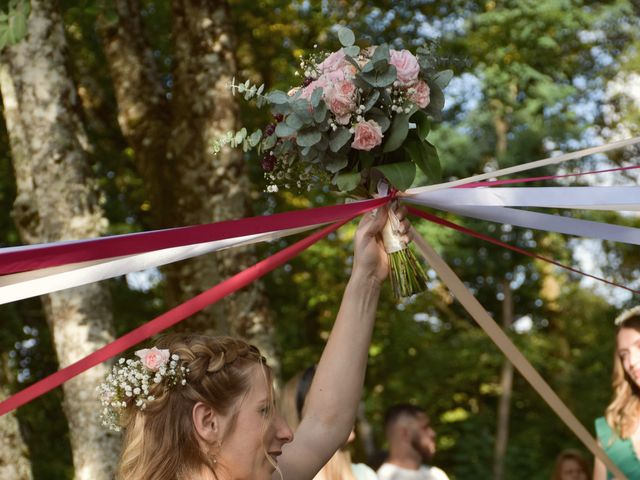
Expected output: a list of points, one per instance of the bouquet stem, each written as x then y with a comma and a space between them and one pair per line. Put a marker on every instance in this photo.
407, 275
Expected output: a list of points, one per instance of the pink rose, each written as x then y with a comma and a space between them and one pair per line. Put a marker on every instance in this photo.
153, 358
341, 100
333, 62
406, 65
321, 82
420, 95
367, 135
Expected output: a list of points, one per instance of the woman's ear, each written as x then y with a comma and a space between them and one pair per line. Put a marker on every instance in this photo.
206, 422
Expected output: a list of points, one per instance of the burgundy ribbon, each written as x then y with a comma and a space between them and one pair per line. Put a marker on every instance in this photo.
171, 317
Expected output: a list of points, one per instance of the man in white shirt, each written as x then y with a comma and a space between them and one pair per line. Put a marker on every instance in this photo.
412, 444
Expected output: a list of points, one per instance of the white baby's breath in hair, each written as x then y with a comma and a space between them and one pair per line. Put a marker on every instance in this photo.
130, 382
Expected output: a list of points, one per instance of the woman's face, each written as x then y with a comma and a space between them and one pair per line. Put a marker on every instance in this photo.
571, 470
257, 428
628, 341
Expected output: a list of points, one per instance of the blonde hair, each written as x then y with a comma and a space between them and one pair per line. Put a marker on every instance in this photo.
292, 405
570, 454
160, 441
623, 412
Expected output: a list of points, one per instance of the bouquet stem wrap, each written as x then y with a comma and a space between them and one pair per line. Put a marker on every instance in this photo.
407, 275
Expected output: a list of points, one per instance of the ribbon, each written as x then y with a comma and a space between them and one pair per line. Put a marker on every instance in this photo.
583, 198
165, 320
486, 238
33, 257
528, 166
504, 343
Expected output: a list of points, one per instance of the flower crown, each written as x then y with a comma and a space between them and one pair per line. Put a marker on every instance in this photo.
130, 381
626, 315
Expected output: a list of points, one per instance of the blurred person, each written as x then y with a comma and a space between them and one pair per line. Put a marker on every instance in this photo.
339, 467
618, 431
412, 445
571, 465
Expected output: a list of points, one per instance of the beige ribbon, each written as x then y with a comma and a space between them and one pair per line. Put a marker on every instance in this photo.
502, 341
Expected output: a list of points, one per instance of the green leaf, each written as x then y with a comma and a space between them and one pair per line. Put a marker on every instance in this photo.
255, 138
335, 164
278, 97
294, 121
380, 118
423, 125
283, 130
424, 155
308, 138
352, 51
348, 181
339, 138
320, 113
443, 78
240, 136
365, 159
371, 100
269, 142
436, 102
380, 79
400, 174
380, 55
316, 96
397, 133
346, 37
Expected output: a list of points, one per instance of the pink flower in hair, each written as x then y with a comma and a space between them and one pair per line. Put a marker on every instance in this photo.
153, 358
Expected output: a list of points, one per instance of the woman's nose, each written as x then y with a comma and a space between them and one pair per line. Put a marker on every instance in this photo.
283, 431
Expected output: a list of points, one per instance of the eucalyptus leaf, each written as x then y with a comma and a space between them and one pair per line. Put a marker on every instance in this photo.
339, 138
316, 96
400, 174
335, 164
371, 100
380, 118
346, 37
269, 142
294, 121
320, 113
347, 181
443, 78
381, 80
284, 130
308, 138
397, 133
278, 97
255, 138
352, 51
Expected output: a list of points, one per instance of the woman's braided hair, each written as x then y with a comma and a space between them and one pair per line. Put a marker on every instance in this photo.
160, 441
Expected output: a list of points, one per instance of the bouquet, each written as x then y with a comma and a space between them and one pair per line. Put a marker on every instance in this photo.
359, 121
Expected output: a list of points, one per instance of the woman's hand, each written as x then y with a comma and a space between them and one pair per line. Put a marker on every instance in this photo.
370, 258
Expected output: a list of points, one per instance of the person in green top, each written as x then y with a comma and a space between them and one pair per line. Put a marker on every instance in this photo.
618, 431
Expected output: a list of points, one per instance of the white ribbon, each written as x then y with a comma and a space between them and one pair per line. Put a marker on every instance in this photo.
528, 166
22, 285
583, 198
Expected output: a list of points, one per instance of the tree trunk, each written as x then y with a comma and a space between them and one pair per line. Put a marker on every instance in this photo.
56, 200
203, 188
14, 459
506, 388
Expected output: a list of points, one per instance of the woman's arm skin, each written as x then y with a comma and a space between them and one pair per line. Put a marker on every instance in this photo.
599, 470
330, 409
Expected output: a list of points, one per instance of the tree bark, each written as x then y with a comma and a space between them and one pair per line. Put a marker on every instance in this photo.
56, 200
203, 188
506, 389
14, 459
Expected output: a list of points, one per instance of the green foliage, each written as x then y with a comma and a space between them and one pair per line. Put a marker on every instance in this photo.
13, 22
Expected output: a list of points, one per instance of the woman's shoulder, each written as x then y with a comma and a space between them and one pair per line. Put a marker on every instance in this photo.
363, 472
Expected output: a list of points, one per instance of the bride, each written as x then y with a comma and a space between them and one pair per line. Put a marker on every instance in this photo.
196, 407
